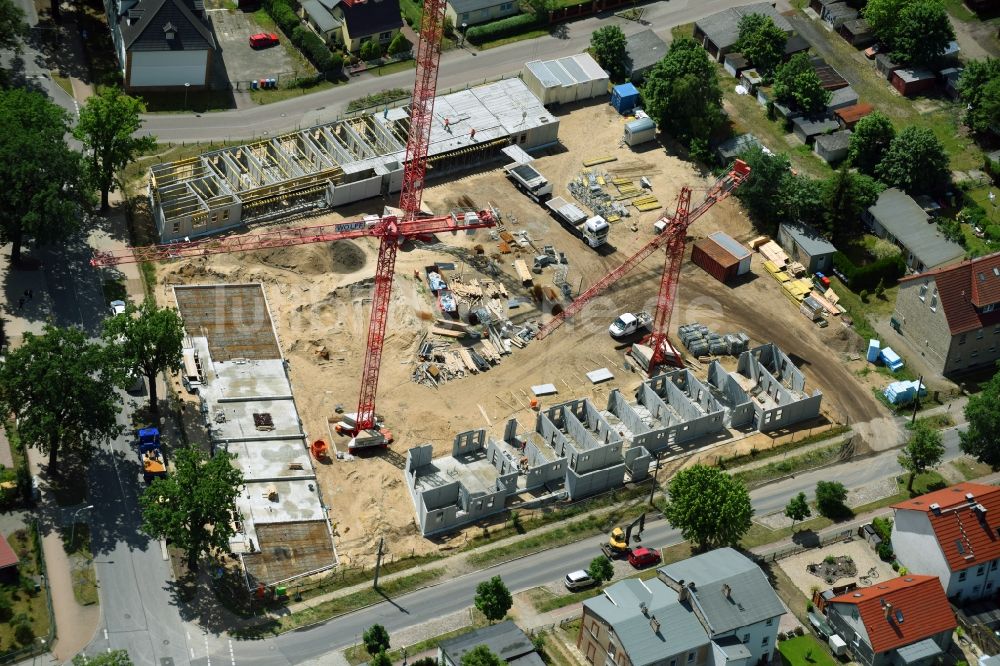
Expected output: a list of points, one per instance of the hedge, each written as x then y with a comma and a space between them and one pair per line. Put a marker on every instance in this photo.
860, 278
514, 25
329, 63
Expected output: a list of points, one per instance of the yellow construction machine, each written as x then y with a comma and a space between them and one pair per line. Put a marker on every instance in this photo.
618, 543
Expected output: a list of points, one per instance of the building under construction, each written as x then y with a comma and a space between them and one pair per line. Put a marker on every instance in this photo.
341, 162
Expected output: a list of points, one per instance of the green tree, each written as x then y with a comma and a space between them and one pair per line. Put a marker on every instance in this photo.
979, 86
916, 162
107, 128
847, 194
882, 16
194, 507
482, 655
798, 508
380, 659
425, 661
870, 140
709, 507
399, 44
796, 84
43, 183
922, 33
541, 8
493, 599
370, 50
607, 45
762, 42
830, 498
59, 387
801, 198
376, 639
923, 451
13, 27
981, 437
147, 340
113, 658
682, 93
601, 569
761, 189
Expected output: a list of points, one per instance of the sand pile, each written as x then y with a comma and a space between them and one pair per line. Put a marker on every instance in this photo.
341, 258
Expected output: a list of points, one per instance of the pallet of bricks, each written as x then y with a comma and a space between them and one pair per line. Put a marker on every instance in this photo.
700, 340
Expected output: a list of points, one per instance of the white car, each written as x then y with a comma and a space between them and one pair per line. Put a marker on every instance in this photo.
579, 580
117, 308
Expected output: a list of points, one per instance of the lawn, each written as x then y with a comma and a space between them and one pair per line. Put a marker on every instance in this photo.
805, 651
860, 310
790, 465
971, 469
530, 34
260, 96
82, 564
27, 618
357, 655
411, 12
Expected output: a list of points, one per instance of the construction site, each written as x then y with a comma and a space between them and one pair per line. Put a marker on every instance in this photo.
477, 302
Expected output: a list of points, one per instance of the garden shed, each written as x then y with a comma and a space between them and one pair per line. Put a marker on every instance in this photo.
832, 147
834, 15
841, 98
735, 63
912, 81
850, 115
565, 80
949, 79
808, 128
857, 32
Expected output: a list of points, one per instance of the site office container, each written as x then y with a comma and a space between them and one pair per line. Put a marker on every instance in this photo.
714, 259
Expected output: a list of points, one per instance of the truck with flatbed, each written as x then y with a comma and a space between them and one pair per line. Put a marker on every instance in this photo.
628, 323
593, 230
527, 179
154, 463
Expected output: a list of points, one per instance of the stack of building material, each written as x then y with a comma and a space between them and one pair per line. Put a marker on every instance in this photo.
891, 359
811, 308
901, 393
702, 341
797, 290
873, 347
772, 252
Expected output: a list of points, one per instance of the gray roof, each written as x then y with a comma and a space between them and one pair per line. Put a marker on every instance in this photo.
680, 629
320, 15
466, 6
911, 74
919, 652
751, 598
733, 648
834, 141
903, 217
735, 146
839, 10
645, 49
806, 237
857, 26
506, 640
795, 44
845, 96
145, 26
813, 126
723, 28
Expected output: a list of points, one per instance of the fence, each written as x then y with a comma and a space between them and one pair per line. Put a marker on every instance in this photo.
795, 549
40, 645
979, 634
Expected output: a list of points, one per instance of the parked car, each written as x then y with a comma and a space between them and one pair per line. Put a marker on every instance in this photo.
578, 580
117, 308
872, 51
262, 40
643, 557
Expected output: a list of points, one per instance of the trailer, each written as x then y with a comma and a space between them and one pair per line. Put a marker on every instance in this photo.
154, 462
593, 230
527, 179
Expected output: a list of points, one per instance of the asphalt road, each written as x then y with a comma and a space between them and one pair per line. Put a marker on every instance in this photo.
29, 65
459, 67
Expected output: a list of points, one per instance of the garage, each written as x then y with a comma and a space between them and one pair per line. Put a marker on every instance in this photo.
565, 80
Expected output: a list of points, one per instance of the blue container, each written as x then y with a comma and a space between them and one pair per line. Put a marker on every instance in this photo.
253, 85
624, 98
873, 349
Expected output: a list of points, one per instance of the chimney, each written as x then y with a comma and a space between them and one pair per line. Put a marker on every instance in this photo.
683, 594
887, 610
970, 498
654, 624
727, 591
644, 608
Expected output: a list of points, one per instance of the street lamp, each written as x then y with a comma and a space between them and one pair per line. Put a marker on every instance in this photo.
465, 26
72, 531
186, 87
652, 488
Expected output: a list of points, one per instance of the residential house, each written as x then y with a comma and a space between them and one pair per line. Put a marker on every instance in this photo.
898, 218
8, 562
712, 609
471, 12
351, 23
832, 148
506, 640
952, 534
161, 44
906, 621
806, 246
719, 32
951, 315
644, 50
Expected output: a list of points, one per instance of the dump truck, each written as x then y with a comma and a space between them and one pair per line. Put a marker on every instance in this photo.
593, 230
527, 179
628, 323
618, 541
154, 463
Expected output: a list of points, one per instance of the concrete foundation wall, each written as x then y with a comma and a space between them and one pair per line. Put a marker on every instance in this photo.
592, 483
739, 407
779, 417
637, 461
772, 371
467, 442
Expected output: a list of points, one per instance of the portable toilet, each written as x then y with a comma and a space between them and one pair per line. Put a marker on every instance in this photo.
272, 83
253, 85
639, 131
872, 355
624, 97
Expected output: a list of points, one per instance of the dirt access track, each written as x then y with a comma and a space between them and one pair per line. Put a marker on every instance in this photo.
320, 300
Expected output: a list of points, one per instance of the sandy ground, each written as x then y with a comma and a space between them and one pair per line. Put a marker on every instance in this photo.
862, 554
320, 297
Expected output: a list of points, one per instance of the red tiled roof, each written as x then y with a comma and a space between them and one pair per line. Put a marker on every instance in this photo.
966, 536
919, 610
965, 286
8, 557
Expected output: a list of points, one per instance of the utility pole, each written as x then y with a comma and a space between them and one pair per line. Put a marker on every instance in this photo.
378, 560
916, 399
652, 487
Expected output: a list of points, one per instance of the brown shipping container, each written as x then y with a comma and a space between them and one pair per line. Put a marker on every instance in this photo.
716, 261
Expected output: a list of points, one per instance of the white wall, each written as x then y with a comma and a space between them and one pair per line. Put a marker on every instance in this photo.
168, 68
916, 545
757, 633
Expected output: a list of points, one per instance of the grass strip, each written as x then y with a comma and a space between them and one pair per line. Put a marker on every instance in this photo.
780, 468
356, 654
762, 454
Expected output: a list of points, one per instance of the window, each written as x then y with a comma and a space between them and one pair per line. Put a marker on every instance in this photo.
961, 339
177, 227
975, 353
746, 638
975, 590
996, 329
385, 36
764, 641
464, 18
225, 214
981, 569
612, 650
961, 576
933, 305
506, 7
979, 334
993, 565
673, 662
690, 658
923, 292
989, 308
770, 621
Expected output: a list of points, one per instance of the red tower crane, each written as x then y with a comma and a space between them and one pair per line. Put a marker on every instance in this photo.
390, 230
673, 237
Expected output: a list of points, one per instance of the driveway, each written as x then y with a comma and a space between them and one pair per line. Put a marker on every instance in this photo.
242, 63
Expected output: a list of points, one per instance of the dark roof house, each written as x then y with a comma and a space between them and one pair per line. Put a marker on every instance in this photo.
720, 31
367, 19
899, 218
807, 128
857, 32
506, 640
644, 49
